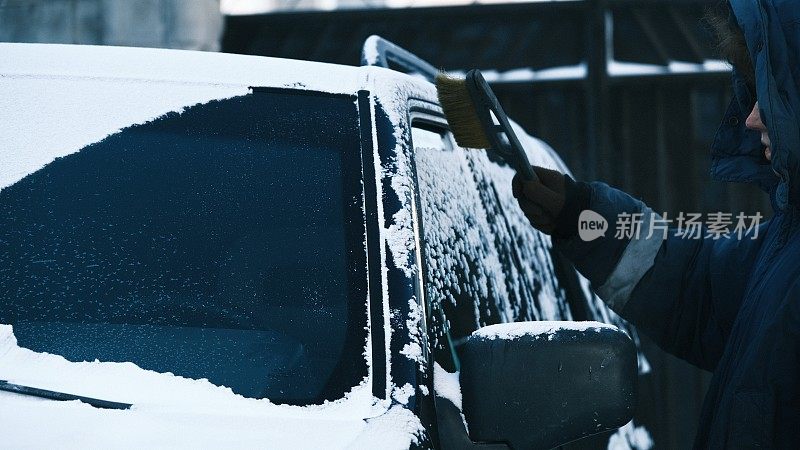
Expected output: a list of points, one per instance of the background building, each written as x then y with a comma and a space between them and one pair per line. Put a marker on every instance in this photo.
185, 24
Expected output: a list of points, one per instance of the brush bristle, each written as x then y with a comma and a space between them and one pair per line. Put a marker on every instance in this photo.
460, 112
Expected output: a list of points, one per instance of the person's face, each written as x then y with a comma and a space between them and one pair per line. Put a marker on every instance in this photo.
754, 122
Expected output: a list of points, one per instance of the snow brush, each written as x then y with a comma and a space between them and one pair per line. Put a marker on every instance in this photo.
477, 120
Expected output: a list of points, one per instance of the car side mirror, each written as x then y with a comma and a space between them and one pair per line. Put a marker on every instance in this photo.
537, 385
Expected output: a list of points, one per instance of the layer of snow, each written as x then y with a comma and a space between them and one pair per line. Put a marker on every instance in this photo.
717, 65
620, 68
614, 68
174, 66
59, 98
458, 236
537, 328
402, 394
527, 74
630, 437
176, 412
534, 292
413, 350
575, 72
370, 50
397, 429
69, 114
399, 235
447, 385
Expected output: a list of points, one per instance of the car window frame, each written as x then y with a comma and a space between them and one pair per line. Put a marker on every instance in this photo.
431, 117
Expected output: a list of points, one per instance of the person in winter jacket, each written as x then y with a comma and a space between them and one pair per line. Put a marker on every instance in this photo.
730, 305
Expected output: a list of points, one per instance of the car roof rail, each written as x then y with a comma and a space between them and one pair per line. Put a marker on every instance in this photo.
377, 51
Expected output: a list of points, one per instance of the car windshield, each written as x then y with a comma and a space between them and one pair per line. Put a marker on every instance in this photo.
223, 242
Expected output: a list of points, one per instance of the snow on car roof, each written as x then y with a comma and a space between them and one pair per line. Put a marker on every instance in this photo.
58, 99
174, 66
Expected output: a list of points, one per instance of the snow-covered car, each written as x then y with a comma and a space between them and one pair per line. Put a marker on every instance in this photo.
211, 250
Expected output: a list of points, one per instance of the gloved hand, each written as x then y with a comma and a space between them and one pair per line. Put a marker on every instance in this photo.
554, 203
542, 201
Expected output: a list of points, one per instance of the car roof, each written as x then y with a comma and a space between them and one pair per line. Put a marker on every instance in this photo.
176, 66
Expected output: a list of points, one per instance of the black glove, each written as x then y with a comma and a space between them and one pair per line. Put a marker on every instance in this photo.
553, 203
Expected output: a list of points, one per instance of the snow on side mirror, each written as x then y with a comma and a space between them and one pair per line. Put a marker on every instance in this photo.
537, 385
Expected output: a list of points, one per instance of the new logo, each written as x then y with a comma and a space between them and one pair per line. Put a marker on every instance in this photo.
591, 225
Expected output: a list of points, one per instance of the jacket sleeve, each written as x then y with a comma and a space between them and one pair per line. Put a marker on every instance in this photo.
683, 293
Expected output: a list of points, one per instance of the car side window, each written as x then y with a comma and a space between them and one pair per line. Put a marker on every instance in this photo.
535, 291
484, 263
462, 269
193, 244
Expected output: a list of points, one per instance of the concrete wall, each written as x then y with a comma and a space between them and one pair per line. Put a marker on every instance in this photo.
184, 24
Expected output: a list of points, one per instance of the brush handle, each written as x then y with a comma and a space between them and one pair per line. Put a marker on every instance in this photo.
497, 127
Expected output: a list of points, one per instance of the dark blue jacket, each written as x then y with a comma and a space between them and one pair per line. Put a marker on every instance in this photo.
730, 305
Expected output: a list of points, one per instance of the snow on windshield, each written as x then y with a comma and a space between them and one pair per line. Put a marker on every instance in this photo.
66, 115
172, 411
59, 98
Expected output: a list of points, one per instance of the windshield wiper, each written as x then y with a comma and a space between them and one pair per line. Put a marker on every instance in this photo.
59, 396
